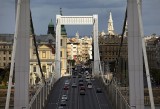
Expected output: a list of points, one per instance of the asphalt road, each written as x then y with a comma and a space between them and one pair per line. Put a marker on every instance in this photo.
91, 99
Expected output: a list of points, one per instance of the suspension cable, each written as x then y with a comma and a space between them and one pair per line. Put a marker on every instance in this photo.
36, 49
121, 43
123, 31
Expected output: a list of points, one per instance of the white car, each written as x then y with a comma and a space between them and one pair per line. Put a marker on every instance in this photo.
89, 85
74, 85
64, 97
67, 82
87, 78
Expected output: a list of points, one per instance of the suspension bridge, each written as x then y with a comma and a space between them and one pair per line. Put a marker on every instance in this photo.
105, 93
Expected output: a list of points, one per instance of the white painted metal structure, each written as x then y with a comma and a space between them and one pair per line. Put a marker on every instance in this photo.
145, 55
136, 51
77, 20
135, 59
21, 40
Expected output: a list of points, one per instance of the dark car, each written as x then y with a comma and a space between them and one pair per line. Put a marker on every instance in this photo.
81, 84
63, 103
82, 92
82, 88
80, 80
79, 76
99, 90
66, 87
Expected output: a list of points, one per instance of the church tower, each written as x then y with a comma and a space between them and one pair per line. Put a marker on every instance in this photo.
51, 28
110, 25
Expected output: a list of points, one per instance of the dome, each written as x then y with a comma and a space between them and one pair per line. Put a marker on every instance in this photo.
51, 24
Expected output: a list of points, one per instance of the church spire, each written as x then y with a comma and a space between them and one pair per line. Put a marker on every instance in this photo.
110, 25
51, 28
61, 11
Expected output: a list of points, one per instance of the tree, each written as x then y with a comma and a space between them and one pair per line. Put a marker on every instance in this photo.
155, 74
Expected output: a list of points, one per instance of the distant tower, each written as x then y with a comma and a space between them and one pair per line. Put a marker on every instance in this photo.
77, 35
110, 25
51, 28
103, 33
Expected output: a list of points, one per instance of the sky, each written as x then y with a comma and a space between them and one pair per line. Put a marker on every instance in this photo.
45, 10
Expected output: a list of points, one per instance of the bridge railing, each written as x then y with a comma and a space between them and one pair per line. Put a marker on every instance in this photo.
40, 97
118, 100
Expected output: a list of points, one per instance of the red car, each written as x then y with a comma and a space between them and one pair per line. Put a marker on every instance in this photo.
82, 88
65, 87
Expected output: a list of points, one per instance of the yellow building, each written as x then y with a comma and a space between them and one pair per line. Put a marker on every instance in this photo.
79, 49
46, 52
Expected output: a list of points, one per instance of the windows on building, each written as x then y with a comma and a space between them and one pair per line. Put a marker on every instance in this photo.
34, 68
61, 54
44, 68
61, 42
43, 54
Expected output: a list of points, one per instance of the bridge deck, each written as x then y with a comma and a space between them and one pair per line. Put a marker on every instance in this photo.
91, 100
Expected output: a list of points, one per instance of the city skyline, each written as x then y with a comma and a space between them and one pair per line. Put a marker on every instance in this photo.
44, 11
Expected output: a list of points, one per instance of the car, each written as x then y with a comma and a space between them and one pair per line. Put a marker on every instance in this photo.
64, 97
66, 87
63, 103
66, 82
89, 85
92, 78
60, 107
73, 76
82, 92
99, 90
82, 88
81, 84
80, 80
87, 78
74, 85
79, 76
86, 72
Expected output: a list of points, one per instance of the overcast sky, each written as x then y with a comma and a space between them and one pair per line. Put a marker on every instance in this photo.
45, 10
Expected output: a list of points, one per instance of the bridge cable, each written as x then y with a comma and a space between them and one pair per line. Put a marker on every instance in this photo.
121, 43
36, 49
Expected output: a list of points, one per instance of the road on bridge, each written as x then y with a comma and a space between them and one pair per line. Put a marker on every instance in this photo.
91, 99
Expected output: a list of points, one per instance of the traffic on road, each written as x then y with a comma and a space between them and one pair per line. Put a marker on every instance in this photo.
78, 91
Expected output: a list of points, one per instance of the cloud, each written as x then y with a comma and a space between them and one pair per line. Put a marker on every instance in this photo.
44, 10
77, 7
7, 16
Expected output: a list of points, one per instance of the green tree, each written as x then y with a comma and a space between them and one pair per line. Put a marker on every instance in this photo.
5, 75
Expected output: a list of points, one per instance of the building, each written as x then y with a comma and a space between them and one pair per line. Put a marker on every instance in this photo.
109, 44
153, 51
46, 51
63, 51
6, 42
79, 49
